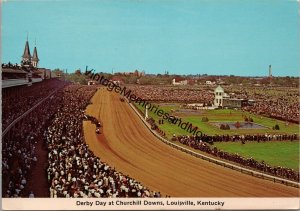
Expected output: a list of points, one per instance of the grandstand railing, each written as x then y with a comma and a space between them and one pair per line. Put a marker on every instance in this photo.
18, 82
35, 80
14, 82
216, 161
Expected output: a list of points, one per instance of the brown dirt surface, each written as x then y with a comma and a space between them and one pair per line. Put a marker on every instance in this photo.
132, 149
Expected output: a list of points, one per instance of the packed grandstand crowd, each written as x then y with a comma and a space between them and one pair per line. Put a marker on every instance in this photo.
17, 101
172, 94
201, 143
19, 155
73, 171
271, 102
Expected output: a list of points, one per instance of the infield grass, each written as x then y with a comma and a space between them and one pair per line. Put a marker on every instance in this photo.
221, 115
274, 153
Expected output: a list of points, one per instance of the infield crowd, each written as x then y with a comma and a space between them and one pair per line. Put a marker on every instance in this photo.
202, 143
270, 102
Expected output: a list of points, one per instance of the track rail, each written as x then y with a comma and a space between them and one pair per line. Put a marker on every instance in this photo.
216, 161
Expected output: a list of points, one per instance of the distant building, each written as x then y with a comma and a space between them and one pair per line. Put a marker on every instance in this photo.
223, 100
219, 93
210, 82
45, 73
134, 73
270, 71
234, 103
179, 82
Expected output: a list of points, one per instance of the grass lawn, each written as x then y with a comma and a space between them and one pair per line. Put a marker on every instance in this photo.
273, 153
222, 115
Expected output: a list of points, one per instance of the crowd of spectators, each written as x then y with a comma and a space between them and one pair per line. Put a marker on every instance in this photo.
173, 94
275, 102
74, 170
11, 66
17, 100
199, 143
250, 137
19, 155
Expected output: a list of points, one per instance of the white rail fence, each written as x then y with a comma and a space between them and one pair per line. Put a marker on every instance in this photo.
216, 161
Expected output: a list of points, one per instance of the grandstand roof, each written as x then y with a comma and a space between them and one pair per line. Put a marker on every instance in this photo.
10, 70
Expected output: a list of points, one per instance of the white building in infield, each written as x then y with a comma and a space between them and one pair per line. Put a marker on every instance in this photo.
222, 99
219, 93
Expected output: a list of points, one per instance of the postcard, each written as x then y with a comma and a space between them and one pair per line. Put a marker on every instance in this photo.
150, 104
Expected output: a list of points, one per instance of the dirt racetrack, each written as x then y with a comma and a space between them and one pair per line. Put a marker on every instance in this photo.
133, 150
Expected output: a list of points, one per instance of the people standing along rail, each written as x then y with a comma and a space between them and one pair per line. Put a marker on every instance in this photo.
200, 143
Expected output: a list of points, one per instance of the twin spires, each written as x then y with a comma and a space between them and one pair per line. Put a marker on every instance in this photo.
27, 59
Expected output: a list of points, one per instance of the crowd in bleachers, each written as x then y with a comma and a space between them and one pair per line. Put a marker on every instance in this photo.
19, 154
74, 170
271, 102
172, 94
200, 143
16, 101
276, 102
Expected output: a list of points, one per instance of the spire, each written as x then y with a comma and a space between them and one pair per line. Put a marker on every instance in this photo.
35, 55
26, 54
35, 59
26, 58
